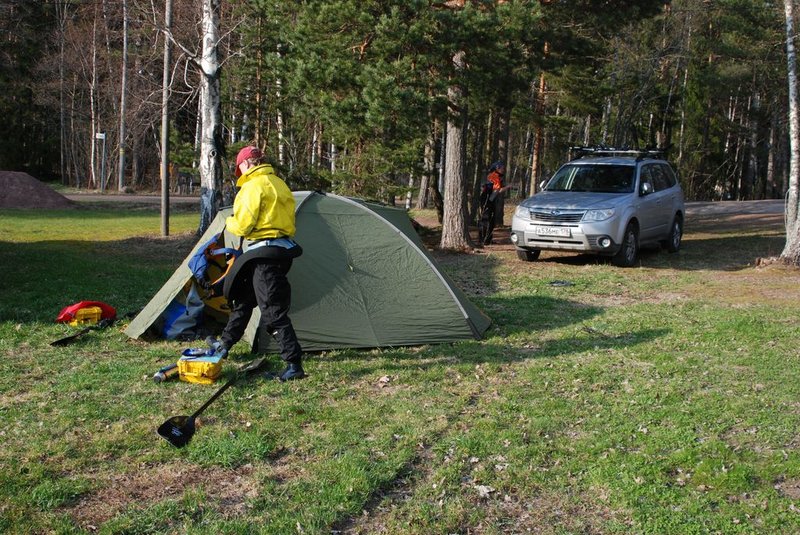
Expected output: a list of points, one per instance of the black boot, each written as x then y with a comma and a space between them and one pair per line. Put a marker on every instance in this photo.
294, 370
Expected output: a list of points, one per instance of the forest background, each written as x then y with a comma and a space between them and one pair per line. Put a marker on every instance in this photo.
361, 97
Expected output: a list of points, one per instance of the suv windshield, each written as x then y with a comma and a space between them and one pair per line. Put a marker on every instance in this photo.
593, 178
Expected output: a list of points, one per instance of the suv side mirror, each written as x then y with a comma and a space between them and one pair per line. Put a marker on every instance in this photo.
646, 189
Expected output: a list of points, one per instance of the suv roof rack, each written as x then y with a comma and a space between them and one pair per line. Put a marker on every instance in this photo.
640, 154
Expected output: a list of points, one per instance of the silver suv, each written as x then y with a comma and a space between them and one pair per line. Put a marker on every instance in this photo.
606, 201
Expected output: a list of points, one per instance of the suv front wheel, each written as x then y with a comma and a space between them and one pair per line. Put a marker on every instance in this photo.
528, 255
629, 252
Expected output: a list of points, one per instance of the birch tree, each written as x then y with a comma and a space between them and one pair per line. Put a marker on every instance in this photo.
93, 178
123, 97
165, 92
211, 144
791, 252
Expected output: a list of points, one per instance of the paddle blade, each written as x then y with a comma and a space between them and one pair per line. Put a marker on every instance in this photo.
67, 339
178, 430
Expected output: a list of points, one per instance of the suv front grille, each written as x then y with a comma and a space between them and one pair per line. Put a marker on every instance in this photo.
556, 216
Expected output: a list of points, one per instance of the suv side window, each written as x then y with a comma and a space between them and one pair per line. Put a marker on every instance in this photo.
660, 179
646, 176
669, 175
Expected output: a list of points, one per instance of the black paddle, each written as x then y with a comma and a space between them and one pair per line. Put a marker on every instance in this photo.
102, 324
179, 430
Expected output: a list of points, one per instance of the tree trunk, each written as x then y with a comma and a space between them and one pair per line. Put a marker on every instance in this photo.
606, 117
683, 106
93, 107
502, 135
211, 144
428, 167
770, 185
72, 141
122, 96
312, 149
749, 186
165, 90
478, 175
198, 138
791, 252
62, 8
454, 223
135, 164
258, 92
435, 186
320, 130
538, 136
503, 154
279, 119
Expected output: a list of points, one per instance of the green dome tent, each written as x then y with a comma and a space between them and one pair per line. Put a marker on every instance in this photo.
364, 280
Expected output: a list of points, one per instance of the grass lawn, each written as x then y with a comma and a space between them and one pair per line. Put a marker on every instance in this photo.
660, 399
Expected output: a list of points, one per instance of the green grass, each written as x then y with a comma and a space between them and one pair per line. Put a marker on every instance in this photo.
660, 399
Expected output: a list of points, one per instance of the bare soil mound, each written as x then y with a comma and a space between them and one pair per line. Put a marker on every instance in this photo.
21, 190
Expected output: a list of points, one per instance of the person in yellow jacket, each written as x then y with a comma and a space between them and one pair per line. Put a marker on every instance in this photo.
263, 214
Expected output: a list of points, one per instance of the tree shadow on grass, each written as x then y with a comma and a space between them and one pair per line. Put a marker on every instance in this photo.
479, 353
731, 253
41, 278
517, 320
523, 314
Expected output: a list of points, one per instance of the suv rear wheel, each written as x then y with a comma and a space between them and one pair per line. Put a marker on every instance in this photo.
675, 235
528, 255
629, 252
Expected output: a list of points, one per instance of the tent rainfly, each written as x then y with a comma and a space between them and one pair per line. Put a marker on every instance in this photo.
364, 280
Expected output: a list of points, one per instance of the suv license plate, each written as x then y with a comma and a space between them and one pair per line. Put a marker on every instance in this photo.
563, 232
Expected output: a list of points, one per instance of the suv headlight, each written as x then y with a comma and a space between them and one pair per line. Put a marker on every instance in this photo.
598, 215
523, 212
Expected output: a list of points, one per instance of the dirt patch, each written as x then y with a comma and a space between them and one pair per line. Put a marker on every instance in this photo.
21, 190
550, 513
230, 490
789, 488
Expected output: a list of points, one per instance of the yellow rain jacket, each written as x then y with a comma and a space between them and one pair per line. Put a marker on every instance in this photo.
264, 206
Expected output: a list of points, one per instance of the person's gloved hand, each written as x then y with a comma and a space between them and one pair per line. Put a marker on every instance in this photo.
217, 347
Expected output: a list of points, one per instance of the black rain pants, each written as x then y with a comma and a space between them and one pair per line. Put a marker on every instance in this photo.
272, 294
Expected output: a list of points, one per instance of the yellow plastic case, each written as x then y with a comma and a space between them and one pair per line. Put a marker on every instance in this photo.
87, 315
203, 370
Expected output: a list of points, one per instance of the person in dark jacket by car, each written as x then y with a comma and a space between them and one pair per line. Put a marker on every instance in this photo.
491, 201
